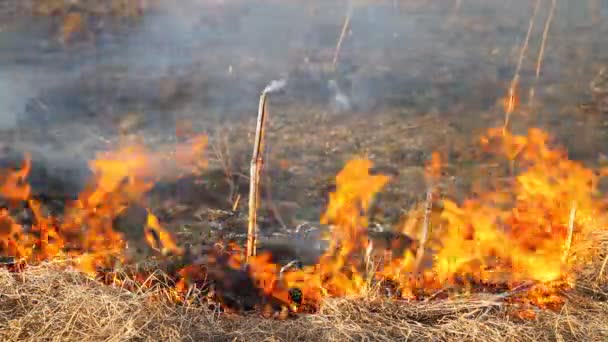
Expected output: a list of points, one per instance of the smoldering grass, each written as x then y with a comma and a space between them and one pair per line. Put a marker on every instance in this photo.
52, 302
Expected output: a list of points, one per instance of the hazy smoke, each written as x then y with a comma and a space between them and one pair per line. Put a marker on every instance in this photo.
216, 57
211, 59
275, 86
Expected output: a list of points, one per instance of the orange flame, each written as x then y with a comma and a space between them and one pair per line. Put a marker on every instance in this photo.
507, 236
533, 229
14, 187
85, 231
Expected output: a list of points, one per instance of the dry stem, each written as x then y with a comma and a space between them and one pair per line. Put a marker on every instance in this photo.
222, 152
570, 233
345, 27
603, 268
541, 52
513, 87
425, 227
254, 181
235, 204
272, 205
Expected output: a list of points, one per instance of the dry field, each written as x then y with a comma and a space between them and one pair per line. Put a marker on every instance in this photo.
439, 178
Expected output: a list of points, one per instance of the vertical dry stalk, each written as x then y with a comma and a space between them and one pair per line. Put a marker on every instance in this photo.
543, 44
515, 81
222, 152
368, 257
256, 168
602, 269
235, 204
345, 28
568, 243
44, 233
371, 268
272, 205
254, 180
428, 207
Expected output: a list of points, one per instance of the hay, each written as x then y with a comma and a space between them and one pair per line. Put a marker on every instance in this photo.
50, 302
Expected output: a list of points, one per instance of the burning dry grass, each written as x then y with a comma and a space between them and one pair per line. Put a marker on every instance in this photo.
543, 278
50, 302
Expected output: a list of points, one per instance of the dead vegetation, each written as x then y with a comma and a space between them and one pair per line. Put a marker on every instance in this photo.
50, 302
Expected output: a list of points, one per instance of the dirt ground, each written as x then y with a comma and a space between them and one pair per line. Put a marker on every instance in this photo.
419, 77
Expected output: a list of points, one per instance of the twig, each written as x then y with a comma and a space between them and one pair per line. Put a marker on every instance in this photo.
256, 168
225, 163
425, 227
516, 290
570, 233
437, 293
254, 174
368, 257
294, 264
275, 210
345, 27
237, 200
271, 204
510, 105
602, 269
541, 52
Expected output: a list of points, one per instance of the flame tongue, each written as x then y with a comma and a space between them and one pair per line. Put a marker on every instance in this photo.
509, 236
86, 232
533, 230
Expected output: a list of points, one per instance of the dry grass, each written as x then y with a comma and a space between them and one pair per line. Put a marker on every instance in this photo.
52, 303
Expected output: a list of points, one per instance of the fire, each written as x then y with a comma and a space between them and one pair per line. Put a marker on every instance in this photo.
14, 186
515, 234
528, 234
85, 231
12, 240
511, 100
158, 238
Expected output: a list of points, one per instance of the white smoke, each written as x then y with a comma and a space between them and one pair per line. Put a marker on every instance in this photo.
275, 86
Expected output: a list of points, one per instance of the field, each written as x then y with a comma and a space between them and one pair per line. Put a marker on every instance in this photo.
440, 178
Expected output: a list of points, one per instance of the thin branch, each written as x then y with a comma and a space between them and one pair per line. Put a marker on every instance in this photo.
510, 105
568, 243
345, 27
271, 204
256, 167
428, 207
603, 268
254, 178
541, 52
225, 162
235, 204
